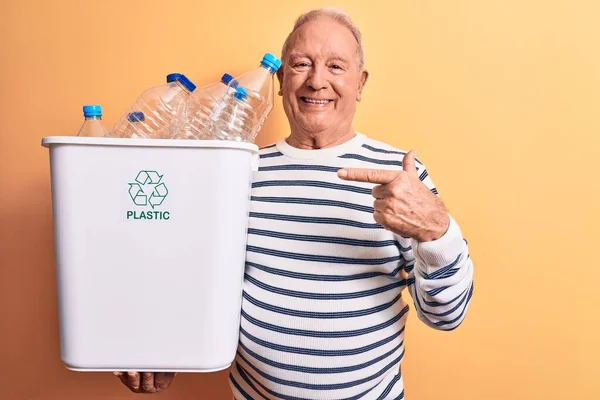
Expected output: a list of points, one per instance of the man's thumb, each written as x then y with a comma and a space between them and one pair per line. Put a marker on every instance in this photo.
408, 162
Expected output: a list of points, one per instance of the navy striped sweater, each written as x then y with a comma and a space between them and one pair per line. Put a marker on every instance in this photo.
324, 306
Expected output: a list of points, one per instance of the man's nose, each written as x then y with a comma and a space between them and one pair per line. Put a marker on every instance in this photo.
317, 78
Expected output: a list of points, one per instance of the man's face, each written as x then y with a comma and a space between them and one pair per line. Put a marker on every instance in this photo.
320, 81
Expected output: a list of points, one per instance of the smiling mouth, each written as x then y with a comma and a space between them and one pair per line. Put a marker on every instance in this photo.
310, 100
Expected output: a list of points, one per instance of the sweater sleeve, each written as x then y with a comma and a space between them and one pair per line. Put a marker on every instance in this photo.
440, 274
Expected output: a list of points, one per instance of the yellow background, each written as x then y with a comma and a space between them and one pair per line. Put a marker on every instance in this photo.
500, 98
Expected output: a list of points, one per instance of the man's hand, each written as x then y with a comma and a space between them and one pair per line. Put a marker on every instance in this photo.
403, 204
146, 382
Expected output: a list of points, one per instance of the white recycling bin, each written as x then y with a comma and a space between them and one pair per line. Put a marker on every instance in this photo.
150, 239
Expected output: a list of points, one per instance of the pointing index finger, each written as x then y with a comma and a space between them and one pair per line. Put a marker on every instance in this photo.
380, 176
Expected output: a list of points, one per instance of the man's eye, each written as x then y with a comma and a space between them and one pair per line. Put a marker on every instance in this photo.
301, 65
335, 66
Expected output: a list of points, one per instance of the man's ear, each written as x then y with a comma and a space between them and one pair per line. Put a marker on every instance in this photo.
280, 79
362, 81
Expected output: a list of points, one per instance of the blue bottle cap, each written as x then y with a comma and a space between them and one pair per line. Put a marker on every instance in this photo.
173, 77
228, 80
136, 116
271, 62
92, 111
241, 94
189, 85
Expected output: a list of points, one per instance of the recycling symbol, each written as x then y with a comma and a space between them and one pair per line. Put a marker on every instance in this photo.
148, 189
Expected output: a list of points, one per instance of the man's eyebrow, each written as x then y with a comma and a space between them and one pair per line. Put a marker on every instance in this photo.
337, 57
331, 57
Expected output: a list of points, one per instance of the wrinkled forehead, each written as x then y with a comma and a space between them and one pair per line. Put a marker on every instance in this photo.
325, 38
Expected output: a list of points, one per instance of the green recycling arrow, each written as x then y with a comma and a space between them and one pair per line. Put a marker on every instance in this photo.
148, 181
137, 194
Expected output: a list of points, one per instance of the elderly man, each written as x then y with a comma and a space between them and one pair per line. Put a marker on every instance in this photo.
340, 225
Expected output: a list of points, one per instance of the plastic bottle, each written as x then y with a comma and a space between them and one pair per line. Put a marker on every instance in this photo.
259, 84
162, 107
201, 105
92, 125
134, 118
233, 118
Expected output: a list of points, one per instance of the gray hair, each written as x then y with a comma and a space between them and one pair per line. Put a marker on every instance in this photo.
339, 16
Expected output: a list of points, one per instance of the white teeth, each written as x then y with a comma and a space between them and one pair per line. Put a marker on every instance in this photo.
313, 101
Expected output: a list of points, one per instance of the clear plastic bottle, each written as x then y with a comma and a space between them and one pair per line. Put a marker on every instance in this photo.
259, 84
201, 105
162, 107
92, 125
233, 119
